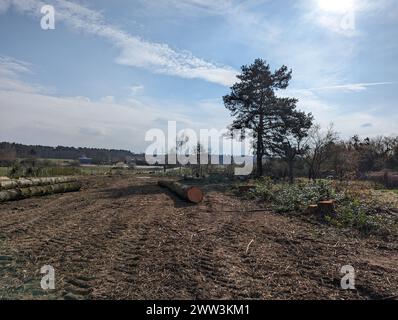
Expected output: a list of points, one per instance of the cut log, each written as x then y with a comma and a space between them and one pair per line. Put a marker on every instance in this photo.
190, 193
326, 208
8, 184
30, 182
11, 194
22, 193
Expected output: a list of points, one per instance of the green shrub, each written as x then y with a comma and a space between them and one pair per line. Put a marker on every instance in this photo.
285, 197
355, 208
33, 169
367, 215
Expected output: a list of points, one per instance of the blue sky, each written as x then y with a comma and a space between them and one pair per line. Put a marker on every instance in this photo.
111, 70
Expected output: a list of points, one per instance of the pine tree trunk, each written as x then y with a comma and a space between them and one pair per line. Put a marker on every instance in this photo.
291, 171
260, 148
259, 164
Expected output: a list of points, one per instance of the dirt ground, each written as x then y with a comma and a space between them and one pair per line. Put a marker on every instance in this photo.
127, 238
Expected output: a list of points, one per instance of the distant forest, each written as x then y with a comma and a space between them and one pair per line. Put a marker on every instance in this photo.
11, 151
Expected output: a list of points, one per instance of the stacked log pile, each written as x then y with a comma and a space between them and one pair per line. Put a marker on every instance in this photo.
16, 189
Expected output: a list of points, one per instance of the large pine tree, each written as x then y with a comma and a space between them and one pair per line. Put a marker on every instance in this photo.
255, 106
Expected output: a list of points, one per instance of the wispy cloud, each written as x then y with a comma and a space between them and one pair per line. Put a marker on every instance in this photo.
245, 20
135, 51
11, 71
353, 87
136, 89
12, 67
368, 122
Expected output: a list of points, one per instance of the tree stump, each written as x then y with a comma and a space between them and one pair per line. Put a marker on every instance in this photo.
326, 208
244, 189
313, 209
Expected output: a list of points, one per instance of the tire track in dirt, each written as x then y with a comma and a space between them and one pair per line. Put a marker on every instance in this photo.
217, 276
87, 254
70, 243
126, 238
122, 273
124, 255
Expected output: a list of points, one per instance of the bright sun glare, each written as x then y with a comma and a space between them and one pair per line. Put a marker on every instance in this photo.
336, 6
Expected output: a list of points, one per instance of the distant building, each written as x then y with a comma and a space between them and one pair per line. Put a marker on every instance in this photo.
85, 160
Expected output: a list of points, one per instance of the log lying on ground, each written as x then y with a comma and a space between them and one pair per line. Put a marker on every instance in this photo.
190, 193
4, 185
22, 193
31, 182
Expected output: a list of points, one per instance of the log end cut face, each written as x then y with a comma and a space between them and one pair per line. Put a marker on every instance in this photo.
194, 195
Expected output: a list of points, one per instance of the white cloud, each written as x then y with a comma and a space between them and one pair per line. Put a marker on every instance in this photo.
246, 23
12, 67
336, 6
347, 123
135, 52
108, 99
4, 5
353, 87
134, 90
353, 123
10, 73
37, 117
335, 16
67, 121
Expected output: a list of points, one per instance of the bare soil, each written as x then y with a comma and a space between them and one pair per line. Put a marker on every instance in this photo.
127, 238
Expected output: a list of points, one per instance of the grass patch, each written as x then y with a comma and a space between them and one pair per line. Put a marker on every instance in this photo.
390, 190
4, 171
58, 171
